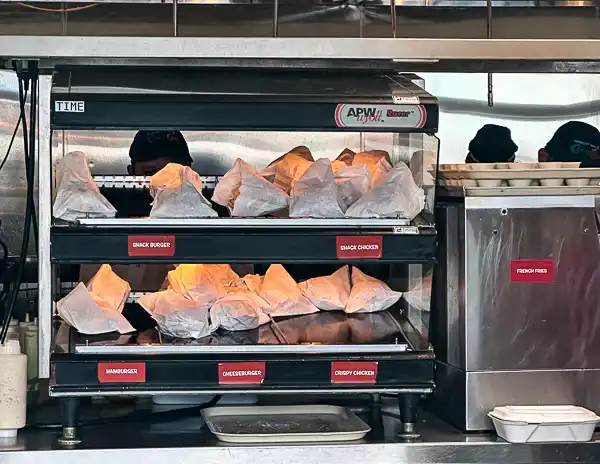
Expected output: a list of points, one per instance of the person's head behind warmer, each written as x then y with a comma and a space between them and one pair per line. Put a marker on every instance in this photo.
492, 144
151, 151
572, 142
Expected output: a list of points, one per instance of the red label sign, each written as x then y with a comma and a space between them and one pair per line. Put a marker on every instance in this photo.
133, 372
241, 373
359, 246
532, 270
353, 372
151, 245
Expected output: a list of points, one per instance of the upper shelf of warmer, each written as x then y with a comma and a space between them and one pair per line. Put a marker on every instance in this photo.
201, 99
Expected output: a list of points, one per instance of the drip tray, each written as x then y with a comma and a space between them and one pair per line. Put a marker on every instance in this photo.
331, 331
277, 424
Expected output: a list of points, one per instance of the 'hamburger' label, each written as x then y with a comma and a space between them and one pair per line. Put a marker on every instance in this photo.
121, 372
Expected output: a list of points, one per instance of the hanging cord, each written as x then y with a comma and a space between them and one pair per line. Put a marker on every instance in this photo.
28, 145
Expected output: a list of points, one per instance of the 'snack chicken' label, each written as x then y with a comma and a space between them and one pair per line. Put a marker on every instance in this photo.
121, 372
151, 245
398, 116
242, 373
359, 247
352, 372
532, 271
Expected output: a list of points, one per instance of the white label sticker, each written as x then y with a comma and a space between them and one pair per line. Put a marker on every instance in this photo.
69, 106
396, 116
406, 230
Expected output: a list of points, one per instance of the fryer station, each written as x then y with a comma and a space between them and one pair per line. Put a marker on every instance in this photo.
375, 353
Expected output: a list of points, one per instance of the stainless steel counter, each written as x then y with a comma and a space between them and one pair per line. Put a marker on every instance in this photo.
188, 441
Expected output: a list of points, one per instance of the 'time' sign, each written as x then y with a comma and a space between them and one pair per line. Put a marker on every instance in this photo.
69, 106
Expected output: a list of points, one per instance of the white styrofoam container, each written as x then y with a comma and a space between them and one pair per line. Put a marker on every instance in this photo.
535, 424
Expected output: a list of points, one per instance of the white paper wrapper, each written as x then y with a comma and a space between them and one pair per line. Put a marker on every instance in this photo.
287, 169
176, 315
329, 293
258, 196
97, 308
239, 311
353, 182
210, 281
396, 196
316, 193
228, 188
77, 195
282, 294
177, 193
369, 295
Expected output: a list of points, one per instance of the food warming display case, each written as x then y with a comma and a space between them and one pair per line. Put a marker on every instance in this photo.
372, 352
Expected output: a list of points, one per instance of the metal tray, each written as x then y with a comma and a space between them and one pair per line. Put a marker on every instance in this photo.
276, 424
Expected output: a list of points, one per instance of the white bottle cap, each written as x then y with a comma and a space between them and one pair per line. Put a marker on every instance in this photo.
10, 347
8, 433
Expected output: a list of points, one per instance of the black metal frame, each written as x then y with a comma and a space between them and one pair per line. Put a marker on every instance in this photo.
225, 100
78, 373
77, 244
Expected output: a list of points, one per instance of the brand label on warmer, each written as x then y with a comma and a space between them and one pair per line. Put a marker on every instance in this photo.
359, 246
151, 245
132, 372
353, 372
241, 373
397, 116
532, 270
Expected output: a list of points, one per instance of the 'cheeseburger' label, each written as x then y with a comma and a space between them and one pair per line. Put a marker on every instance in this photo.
151, 245
359, 247
242, 373
116, 372
532, 271
353, 372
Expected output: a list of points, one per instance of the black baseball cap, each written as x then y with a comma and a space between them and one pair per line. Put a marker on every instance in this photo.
152, 145
492, 144
575, 141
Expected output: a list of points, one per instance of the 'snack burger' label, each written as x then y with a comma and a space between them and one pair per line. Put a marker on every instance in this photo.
151, 245
532, 270
125, 372
359, 246
242, 373
353, 372
398, 116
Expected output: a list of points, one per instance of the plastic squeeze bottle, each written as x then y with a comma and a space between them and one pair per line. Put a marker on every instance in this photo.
13, 388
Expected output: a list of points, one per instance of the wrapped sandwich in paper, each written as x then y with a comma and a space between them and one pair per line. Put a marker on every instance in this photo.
257, 196
77, 195
377, 161
282, 294
97, 308
239, 311
228, 187
177, 193
329, 293
369, 295
353, 182
203, 282
176, 315
286, 170
316, 194
396, 196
